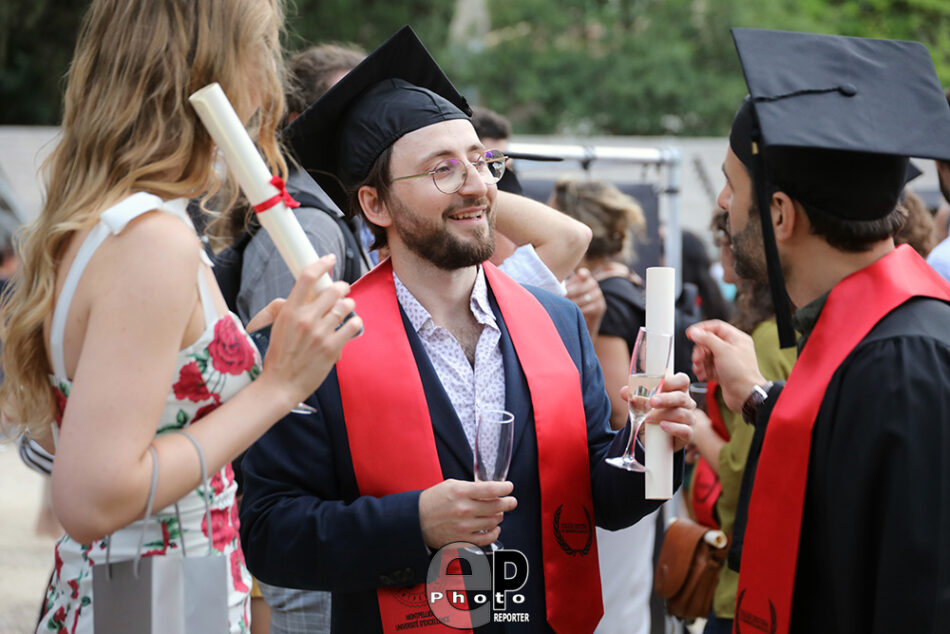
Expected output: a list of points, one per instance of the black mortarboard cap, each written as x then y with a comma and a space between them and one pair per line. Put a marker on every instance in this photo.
397, 89
863, 105
912, 172
845, 93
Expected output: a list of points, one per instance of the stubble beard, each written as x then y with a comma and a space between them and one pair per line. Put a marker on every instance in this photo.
748, 250
433, 241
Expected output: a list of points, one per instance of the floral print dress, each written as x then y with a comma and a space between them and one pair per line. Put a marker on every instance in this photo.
208, 372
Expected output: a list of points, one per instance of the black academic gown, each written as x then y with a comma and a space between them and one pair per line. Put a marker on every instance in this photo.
875, 538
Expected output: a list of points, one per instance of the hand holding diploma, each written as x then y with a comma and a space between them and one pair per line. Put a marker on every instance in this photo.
671, 411
265, 191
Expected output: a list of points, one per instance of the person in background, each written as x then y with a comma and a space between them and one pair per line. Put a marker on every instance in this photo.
264, 275
9, 261
724, 454
614, 218
939, 256
697, 271
918, 228
115, 336
535, 244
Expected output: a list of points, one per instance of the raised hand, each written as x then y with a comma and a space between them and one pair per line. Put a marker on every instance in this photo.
725, 354
305, 342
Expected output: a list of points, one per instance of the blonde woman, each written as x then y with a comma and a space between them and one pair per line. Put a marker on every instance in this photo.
626, 555
614, 219
116, 330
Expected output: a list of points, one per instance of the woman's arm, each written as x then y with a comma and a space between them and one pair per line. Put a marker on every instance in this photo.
705, 438
559, 240
140, 295
614, 359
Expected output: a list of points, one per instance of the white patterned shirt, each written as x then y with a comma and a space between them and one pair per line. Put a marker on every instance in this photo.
525, 267
468, 387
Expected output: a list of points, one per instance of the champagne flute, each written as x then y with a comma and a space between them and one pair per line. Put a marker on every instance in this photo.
651, 355
494, 435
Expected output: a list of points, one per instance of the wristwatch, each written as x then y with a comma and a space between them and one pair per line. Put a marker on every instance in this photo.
760, 394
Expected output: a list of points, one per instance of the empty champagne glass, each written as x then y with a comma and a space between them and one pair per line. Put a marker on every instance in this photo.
494, 434
648, 363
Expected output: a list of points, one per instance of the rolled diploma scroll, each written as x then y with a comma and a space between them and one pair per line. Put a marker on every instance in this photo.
252, 174
661, 300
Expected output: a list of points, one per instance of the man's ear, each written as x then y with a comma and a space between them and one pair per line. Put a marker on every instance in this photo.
373, 206
785, 216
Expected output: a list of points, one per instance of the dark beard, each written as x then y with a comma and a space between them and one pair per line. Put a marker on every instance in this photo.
748, 250
435, 243
944, 180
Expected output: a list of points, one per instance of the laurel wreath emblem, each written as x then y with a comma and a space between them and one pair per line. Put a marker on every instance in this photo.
560, 538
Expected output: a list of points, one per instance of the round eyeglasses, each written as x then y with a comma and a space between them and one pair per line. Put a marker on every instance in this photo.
450, 175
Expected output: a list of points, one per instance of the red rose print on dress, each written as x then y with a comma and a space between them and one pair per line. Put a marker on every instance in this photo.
191, 385
166, 541
60, 404
58, 621
204, 410
237, 565
219, 483
223, 530
231, 353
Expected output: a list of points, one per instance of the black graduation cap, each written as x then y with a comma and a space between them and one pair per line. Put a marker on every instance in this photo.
869, 103
912, 172
397, 89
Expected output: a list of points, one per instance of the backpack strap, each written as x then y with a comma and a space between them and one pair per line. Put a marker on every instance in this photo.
353, 252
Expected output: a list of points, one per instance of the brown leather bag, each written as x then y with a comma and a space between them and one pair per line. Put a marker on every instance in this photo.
687, 570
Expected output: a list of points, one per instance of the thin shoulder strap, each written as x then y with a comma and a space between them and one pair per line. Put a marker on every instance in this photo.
113, 220
179, 208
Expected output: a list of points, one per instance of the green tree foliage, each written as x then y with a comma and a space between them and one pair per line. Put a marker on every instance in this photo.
926, 21
617, 66
366, 22
36, 43
552, 66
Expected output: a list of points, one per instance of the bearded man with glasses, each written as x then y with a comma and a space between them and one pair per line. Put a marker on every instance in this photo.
357, 497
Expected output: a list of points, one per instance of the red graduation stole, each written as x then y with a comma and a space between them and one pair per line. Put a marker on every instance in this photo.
384, 407
706, 487
770, 552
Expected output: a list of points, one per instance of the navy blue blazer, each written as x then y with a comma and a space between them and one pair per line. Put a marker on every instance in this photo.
305, 525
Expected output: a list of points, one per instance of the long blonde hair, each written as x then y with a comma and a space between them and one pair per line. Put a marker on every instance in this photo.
127, 127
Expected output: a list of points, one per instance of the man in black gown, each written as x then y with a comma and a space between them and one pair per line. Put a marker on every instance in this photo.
846, 528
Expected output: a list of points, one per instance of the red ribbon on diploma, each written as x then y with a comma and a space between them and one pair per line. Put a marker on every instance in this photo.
280, 196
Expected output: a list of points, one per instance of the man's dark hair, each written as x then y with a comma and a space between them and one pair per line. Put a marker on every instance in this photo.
850, 198
489, 124
379, 178
854, 236
310, 72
